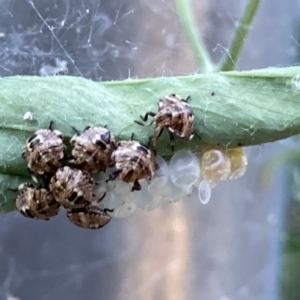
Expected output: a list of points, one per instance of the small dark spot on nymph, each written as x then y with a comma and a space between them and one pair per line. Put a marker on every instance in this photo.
212, 93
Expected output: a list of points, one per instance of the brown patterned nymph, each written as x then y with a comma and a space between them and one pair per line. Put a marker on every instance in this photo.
44, 151
134, 162
92, 149
175, 115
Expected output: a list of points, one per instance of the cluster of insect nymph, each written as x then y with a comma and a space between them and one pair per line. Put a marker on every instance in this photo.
64, 180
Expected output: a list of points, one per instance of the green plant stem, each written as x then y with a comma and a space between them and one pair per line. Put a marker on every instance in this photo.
189, 26
231, 109
240, 35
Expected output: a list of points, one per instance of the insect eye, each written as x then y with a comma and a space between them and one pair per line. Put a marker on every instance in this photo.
79, 200
106, 137
101, 144
32, 137
27, 213
34, 143
142, 149
73, 197
23, 213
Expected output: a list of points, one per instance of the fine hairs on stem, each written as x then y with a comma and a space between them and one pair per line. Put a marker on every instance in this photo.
190, 28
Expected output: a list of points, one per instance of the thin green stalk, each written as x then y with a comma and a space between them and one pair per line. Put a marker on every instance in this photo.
188, 23
240, 35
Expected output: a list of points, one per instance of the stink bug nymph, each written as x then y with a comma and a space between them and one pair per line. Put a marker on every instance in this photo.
72, 187
44, 151
36, 203
90, 217
92, 149
174, 114
133, 162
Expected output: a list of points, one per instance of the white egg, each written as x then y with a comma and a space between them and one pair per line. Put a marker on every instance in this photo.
160, 177
125, 210
204, 191
172, 193
184, 170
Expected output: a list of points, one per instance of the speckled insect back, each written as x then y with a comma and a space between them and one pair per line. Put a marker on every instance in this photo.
71, 187
44, 151
92, 149
174, 114
134, 162
36, 203
90, 217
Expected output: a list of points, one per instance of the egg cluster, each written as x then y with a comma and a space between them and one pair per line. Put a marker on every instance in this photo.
174, 181
104, 178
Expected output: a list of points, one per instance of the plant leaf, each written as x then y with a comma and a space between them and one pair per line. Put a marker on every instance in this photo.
231, 109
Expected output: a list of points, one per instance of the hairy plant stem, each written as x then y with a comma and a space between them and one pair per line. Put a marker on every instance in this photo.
194, 37
240, 35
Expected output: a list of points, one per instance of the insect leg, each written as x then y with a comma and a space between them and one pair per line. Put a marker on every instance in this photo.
86, 127
157, 134
136, 186
132, 136
33, 177
105, 210
139, 123
196, 134
13, 190
188, 98
142, 124
160, 132
76, 130
171, 135
148, 113
51, 125
101, 198
113, 175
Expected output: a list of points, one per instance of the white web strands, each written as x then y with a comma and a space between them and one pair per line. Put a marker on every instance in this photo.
172, 182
